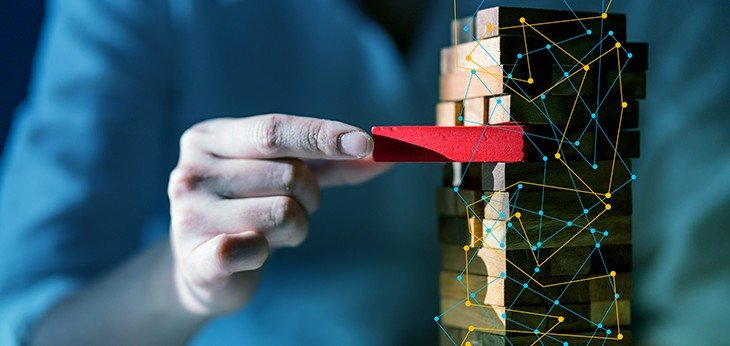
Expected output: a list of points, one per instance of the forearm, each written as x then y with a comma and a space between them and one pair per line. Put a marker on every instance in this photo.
133, 304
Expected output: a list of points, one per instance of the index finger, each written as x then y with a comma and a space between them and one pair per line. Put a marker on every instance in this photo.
277, 136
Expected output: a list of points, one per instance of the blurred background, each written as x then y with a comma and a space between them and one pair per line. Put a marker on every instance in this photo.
681, 257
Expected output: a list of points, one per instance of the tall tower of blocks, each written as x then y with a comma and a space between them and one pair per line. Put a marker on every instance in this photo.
539, 252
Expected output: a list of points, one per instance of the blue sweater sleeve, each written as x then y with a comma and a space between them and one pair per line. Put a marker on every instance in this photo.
79, 177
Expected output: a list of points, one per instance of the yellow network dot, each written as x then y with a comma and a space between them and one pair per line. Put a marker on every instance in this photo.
490, 27
604, 15
618, 45
612, 273
586, 67
561, 319
467, 303
608, 207
608, 195
624, 104
518, 215
557, 155
522, 19
467, 343
466, 247
530, 81
620, 336
468, 58
471, 328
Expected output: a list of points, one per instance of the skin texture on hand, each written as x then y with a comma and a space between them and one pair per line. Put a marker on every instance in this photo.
241, 188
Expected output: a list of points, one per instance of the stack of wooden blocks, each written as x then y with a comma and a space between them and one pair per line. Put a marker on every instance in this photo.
539, 252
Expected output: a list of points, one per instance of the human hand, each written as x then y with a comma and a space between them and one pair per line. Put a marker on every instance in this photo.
240, 188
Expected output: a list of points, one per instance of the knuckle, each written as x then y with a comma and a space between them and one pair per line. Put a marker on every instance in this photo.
183, 180
185, 218
267, 135
191, 137
291, 176
282, 210
314, 140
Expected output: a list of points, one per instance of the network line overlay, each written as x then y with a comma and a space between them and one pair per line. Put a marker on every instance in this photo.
571, 209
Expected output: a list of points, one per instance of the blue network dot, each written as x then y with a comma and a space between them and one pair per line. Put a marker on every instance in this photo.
556, 302
501, 245
456, 189
569, 223
519, 55
534, 248
598, 245
519, 186
593, 115
610, 33
473, 71
466, 28
540, 212
503, 274
537, 269
501, 215
633, 177
504, 315
593, 230
499, 101
600, 325
436, 318
509, 224
458, 278
524, 285
539, 244
608, 332
577, 143
537, 331
460, 118
566, 74
542, 97
473, 295
509, 75
589, 31
585, 211
605, 233
484, 197
544, 158
617, 295
548, 46
630, 55
595, 166
565, 343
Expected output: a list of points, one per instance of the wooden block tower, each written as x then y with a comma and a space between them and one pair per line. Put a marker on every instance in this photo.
539, 252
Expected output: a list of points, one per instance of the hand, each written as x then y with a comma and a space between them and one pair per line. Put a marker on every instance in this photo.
241, 188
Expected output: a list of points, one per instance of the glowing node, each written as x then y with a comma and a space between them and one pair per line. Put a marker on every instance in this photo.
473, 71
561, 319
612, 273
518, 215
471, 328
556, 302
522, 19
619, 336
618, 45
456, 189
600, 325
467, 303
604, 15
468, 58
460, 118
624, 104
586, 67
524, 285
537, 269
467, 343
530, 81
466, 247
490, 27
557, 155
540, 212
608, 207
608, 195
466, 28
436, 318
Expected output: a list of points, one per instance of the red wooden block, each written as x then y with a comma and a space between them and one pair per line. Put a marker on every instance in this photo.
492, 143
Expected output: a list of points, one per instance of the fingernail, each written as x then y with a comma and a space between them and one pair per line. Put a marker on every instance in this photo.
356, 143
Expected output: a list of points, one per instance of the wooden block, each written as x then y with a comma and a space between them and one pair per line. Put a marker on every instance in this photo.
462, 30
633, 84
457, 86
495, 51
497, 143
475, 111
490, 319
582, 289
496, 176
573, 338
495, 291
562, 110
465, 202
570, 260
447, 113
496, 21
